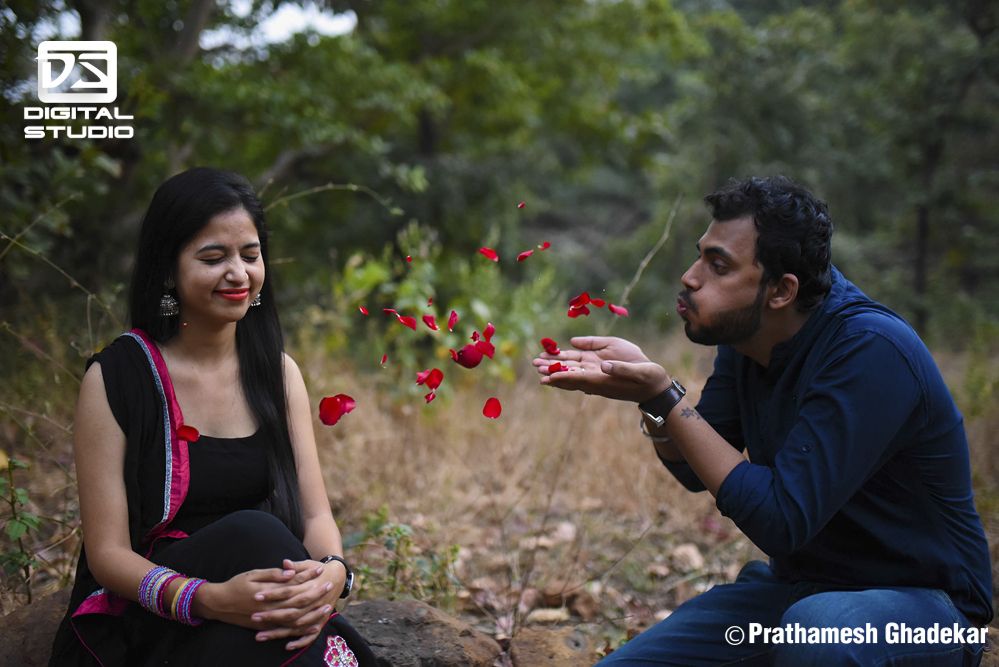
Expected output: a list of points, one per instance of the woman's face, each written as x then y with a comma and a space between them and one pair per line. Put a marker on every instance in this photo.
220, 270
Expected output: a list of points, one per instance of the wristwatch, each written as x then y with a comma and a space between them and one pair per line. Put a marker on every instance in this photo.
349, 582
657, 408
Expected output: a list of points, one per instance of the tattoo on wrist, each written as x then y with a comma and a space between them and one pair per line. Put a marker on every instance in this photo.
690, 412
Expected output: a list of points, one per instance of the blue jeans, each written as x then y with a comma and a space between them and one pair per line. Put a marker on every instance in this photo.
714, 627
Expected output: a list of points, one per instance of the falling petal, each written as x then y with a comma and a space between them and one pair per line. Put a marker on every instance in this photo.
384, 359
492, 408
364, 311
576, 312
332, 408
488, 332
432, 377
557, 367
452, 320
430, 322
469, 356
598, 303
430, 301
409, 258
486, 348
620, 311
188, 433
551, 347
524, 255
390, 310
408, 321
431, 396
545, 246
454, 354
522, 204
489, 253
475, 336
579, 300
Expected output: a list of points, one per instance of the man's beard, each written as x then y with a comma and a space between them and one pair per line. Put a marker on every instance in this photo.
731, 327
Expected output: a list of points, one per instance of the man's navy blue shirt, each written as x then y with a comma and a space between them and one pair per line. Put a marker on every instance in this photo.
858, 471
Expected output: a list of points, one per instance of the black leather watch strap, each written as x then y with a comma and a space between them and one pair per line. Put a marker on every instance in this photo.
349, 582
658, 407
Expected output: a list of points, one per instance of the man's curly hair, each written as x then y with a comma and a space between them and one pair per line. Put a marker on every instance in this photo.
794, 228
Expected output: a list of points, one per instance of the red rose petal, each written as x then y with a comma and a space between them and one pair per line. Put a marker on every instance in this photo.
486, 348
475, 336
188, 433
576, 312
598, 303
557, 367
452, 320
492, 409
469, 356
384, 359
551, 347
409, 258
431, 322
580, 300
489, 253
620, 311
432, 377
545, 246
332, 408
488, 332
364, 311
522, 204
454, 354
408, 321
430, 301
390, 310
524, 255
431, 396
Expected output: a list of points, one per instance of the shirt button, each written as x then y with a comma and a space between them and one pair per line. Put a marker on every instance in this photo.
806, 448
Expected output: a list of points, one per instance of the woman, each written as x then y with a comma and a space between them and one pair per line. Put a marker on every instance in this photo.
208, 537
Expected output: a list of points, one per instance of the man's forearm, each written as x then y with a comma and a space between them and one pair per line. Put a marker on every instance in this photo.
665, 447
693, 440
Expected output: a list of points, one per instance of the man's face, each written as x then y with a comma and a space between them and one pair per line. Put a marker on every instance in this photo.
723, 296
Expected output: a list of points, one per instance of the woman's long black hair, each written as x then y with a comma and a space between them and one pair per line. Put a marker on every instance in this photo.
180, 208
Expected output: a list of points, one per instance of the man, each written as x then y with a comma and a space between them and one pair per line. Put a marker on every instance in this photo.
857, 485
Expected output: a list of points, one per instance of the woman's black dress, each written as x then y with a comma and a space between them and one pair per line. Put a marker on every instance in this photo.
193, 507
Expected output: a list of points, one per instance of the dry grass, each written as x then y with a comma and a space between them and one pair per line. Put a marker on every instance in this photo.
560, 502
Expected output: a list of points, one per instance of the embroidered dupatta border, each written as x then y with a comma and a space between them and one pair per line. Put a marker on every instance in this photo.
177, 477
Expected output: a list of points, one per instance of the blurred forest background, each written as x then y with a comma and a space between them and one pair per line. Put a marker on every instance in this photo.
414, 129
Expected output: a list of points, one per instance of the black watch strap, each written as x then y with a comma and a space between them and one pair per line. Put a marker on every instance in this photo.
349, 582
659, 406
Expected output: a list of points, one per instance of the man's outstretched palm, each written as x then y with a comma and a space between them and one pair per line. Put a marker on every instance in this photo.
605, 366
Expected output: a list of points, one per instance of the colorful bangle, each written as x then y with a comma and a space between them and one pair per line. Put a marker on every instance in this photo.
176, 598
151, 586
186, 597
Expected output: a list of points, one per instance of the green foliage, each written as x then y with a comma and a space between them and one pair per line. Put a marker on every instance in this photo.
396, 566
16, 557
524, 307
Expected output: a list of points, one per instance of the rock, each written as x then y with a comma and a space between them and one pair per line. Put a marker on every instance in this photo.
402, 634
687, 558
28, 631
552, 647
409, 633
